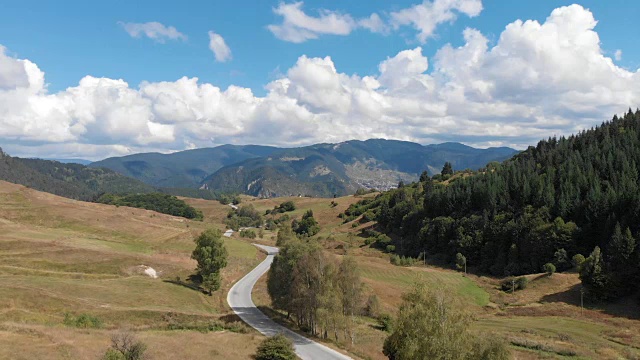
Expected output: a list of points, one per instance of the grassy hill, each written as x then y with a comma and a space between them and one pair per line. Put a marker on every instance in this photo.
60, 256
69, 180
544, 321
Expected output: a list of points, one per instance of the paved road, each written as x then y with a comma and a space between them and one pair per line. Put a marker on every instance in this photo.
239, 298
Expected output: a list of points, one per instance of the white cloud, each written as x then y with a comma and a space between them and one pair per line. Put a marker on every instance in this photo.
298, 27
427, 16
219, 47
153, 30
374, 23
618, 55
538, 80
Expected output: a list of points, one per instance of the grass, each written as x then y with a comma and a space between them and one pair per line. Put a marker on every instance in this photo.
63, 259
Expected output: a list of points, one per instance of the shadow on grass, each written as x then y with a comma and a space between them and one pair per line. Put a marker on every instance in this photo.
626, 307
193, 282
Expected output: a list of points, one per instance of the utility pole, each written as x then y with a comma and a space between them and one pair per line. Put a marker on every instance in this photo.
581, 301
465, 266
513, 286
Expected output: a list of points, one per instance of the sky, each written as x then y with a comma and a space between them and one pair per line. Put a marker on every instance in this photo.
82, 79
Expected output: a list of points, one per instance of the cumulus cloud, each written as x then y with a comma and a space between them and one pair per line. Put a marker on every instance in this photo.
427, 16
219, 47
153, 30
298, 27
374, 23
538, 80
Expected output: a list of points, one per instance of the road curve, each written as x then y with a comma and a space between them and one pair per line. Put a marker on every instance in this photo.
239, 298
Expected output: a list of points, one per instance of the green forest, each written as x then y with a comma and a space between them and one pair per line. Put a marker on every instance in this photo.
163, 203
564, 197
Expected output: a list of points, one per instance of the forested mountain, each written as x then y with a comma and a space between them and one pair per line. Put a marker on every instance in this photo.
563, 197
328, 169
69, 180
184, 169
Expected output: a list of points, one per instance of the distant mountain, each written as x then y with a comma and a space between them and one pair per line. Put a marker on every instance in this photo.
328, 169
71, 161
184, 169
69, 180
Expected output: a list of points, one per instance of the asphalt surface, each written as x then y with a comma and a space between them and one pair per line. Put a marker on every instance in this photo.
239, 298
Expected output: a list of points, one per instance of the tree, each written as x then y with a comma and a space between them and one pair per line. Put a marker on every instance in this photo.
560, 259
447, 169
350, 286
307, 226
432, 325
211, 282
549, 268
277, 347
125, 346
594, 276
461, 262
211, 255
577, 261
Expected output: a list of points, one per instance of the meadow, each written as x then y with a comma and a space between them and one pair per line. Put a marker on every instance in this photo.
62, 259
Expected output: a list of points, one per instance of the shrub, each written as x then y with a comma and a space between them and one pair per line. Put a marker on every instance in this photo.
124, 346
372, 308
84, 321
402, 260
385, 322
521, 283
511, 283
278, 347
549, 268
248, 233
390, 248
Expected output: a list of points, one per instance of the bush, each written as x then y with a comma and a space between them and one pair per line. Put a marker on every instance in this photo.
521, 283
248, 233
390, 248
372, 308
549, 268
385, 322
84, 321
124, 346
511, 283
402, 261
278, 347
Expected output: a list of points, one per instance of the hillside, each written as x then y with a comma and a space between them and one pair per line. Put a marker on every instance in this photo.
561, 198
339, 169
61, 259
183, 169
69, 180
544, 321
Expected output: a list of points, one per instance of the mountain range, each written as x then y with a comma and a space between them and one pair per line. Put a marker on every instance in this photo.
316, 170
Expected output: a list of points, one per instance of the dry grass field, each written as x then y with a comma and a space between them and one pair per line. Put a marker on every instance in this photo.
60, 256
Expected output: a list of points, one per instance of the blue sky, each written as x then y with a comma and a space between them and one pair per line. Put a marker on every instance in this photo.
71, 40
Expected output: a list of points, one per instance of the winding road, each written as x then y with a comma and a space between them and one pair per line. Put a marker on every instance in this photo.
239, 298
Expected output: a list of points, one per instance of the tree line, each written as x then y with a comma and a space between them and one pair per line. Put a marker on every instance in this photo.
567, 196
322, 295
162, 203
